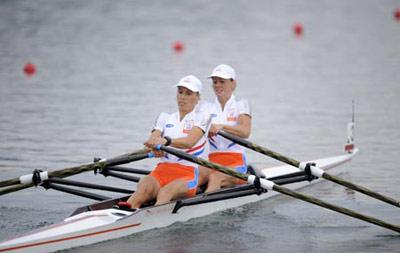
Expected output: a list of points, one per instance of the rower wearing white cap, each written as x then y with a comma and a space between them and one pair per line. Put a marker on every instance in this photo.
185, 129
231, 115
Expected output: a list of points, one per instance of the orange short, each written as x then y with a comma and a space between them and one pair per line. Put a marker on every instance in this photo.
165, 173
233, 160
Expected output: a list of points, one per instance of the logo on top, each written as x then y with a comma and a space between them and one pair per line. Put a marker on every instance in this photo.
231, 116
187, 126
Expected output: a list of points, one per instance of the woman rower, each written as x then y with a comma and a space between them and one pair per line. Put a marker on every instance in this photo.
231, 115
185, 129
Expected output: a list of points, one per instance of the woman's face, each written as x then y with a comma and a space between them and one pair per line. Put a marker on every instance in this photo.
186, 99
223, 88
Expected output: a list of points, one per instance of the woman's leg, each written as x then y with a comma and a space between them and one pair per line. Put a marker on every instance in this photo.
218, 180
204, 173
174, 190
147, 190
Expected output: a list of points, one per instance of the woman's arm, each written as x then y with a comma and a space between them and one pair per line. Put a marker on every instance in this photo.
183, 143
189, 141
242, 129
154, 139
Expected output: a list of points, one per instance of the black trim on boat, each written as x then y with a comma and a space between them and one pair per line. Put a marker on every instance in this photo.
98, 206
213, 198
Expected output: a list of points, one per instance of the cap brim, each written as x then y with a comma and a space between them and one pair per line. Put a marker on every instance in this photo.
221, 76
186, 86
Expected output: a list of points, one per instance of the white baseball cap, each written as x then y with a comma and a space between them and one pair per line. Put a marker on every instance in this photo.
224, 71
191, 82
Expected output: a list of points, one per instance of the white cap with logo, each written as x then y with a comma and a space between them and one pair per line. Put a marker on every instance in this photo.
191, 82
224, 71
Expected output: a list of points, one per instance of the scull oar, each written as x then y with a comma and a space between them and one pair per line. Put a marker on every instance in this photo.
29, 180
316, 171
269, 185
16, 180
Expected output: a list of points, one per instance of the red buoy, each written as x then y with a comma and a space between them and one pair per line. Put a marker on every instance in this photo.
29, 69
178, 46
397, 15
298, 29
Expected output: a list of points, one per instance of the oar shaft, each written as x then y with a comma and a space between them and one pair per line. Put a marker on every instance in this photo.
361, 189
16, 181
339, 209
9, 182
97, 165
296, 163
260, 149
83, 168
266, 184
14, 188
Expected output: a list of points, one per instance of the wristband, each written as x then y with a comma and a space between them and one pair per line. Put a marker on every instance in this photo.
168, 139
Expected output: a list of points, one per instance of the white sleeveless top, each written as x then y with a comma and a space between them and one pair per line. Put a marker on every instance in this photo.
229, 116
170, 125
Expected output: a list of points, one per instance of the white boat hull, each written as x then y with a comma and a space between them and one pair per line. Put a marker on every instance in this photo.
96, 226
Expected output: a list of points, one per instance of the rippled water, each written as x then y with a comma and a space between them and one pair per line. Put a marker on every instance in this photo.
105, 70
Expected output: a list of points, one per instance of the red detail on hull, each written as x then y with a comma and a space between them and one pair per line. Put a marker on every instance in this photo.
349, 148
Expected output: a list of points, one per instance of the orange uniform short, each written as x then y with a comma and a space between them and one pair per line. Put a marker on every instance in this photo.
232, 160
165, 173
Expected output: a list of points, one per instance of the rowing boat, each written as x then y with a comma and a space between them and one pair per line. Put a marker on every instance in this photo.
102, 221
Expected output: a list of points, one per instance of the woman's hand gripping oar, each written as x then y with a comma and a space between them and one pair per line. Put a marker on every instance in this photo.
314, 170
269, 185
37, 177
